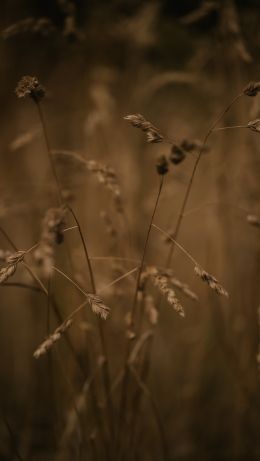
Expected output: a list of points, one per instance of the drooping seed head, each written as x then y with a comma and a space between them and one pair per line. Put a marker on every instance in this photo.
153, 134
210, 280
98, 306
160, 280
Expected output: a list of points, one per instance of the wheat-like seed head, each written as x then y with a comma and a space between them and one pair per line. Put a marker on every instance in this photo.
183, 287
52, 339
160, 280
98, 306
210, 280
153, 134
11, 265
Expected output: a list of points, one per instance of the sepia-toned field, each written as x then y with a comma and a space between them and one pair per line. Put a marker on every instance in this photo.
129, 230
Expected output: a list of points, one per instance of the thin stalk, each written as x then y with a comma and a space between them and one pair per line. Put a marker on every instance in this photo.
155, 410
178, 245
48, 148
185, 201
123, 400
196, 164
144, 251
35, 277
230, 127
105, 368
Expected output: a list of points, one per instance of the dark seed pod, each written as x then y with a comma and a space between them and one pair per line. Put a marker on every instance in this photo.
177, 154
162, 165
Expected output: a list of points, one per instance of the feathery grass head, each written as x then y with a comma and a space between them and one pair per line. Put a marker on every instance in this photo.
160, 280
52, 339
30, 86
153, 134
210, 280
11, 265
98, 306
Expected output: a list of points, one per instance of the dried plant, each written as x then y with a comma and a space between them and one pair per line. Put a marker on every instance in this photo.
104, 174
182, 287
30, 86
153, 134
210, 280
160, 280
98, 306
52, 339
113, 425
204, 275
11, 263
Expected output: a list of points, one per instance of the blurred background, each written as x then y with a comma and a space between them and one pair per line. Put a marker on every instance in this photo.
179, 63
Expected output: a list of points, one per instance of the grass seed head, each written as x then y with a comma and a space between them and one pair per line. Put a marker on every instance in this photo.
98, 306
153, 134
210, 280
30, 86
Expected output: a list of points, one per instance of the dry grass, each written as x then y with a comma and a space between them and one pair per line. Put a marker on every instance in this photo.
135, 380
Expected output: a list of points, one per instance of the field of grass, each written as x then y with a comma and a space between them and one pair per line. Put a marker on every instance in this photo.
129, 230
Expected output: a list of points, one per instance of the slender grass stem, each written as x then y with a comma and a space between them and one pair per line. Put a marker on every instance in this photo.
193, 173
105, 368
144, 251
223, 128
48, 148
123, 400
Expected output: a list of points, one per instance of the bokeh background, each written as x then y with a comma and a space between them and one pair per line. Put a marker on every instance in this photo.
179, 63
